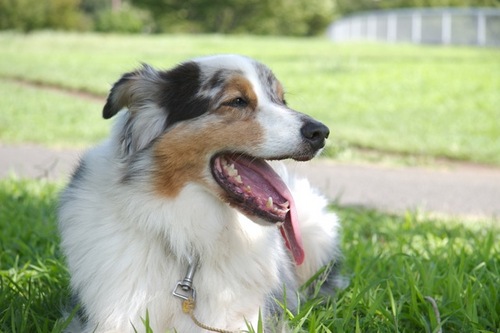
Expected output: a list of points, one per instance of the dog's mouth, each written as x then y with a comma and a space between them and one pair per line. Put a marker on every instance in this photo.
253, 187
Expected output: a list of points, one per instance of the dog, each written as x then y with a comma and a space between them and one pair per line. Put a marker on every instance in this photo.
180, 206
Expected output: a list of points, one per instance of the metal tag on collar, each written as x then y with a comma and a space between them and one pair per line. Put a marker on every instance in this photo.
184, 289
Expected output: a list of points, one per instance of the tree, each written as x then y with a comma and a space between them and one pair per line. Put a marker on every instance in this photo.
284, 17
344, 7
27, 15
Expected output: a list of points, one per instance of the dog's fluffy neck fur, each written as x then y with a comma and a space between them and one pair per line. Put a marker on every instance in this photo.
206, 221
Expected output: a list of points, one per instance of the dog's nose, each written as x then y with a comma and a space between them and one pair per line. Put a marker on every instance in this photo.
315, 133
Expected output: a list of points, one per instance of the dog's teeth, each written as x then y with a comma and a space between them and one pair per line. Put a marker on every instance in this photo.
285, 204
248, 189
269, 203
279, 224
238, 179
232, 171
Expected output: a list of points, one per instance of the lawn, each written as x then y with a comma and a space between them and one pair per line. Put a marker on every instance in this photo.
395, 265
404, 99
51, 118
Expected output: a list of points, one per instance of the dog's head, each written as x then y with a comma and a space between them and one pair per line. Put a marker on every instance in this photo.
213, 121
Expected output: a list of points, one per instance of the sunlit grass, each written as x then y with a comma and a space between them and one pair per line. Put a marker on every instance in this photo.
31, 115
393, 263
416, 100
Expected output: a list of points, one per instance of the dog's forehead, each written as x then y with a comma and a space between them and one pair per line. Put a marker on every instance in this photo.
216, 70
226, 62
228, 65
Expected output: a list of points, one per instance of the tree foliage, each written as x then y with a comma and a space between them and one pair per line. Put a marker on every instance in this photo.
344, 7
282, 17
127, 19
27, 15
276, 17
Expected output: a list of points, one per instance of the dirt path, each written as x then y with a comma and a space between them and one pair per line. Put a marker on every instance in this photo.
461, 190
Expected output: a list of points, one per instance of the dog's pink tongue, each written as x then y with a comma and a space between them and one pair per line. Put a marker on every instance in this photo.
290, 228
291, 234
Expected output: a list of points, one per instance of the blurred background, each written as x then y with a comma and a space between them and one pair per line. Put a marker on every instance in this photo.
263, 17
409, 88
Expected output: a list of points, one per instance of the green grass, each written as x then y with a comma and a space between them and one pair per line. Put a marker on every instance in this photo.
396, 261
33, 278
31, 115
416, 100
393, 262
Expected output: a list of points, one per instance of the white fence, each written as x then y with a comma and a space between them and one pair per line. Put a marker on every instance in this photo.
474, 26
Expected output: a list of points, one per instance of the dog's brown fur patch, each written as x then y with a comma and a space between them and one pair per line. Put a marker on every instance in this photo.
183, 154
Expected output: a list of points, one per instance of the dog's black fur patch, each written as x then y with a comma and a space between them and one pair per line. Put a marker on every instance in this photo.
179, 93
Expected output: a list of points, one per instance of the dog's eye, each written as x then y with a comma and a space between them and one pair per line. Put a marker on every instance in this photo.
237, 103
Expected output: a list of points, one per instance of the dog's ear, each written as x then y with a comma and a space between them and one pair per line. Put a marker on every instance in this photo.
145, 120
118, 97
126, 90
